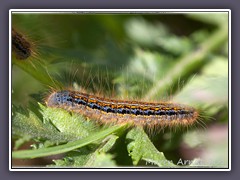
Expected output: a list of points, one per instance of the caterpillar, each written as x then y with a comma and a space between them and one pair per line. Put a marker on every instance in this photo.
21, 47
138, 113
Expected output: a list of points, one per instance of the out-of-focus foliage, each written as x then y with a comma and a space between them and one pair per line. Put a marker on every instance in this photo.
177, 57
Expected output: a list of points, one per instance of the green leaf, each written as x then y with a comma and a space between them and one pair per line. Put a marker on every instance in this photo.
54, 125
141, 148
27, 123
73, 124
66, 147
90, 156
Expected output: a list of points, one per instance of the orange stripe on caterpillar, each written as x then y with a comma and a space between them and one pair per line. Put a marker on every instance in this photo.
119, 111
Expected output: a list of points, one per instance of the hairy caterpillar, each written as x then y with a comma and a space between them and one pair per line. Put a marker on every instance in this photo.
119, 111
21, 47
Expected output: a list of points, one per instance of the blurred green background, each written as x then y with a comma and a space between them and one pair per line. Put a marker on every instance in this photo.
181, 57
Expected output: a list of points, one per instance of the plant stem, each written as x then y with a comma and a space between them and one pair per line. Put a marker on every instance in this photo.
188, 64
66, 147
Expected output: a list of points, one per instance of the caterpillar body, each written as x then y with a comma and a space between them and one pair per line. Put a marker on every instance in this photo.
120, 111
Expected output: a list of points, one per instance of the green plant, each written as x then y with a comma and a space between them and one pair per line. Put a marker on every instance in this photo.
154, 63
